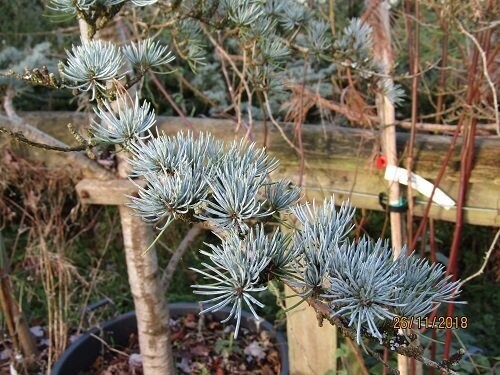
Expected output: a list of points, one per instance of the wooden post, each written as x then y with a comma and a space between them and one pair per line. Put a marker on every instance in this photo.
311, 348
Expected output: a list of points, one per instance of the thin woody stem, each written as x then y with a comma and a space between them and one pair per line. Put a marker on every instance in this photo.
19, 136
324, 312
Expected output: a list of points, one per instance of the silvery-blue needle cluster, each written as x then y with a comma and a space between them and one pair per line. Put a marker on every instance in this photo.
196, 178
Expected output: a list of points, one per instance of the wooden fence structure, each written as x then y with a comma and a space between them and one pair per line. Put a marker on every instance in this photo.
338, 161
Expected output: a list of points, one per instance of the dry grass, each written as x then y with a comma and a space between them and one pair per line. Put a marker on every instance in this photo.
41, 204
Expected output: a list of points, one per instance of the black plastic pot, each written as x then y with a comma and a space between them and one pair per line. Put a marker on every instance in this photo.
83, 352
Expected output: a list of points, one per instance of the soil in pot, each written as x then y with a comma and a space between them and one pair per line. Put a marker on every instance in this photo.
201, 345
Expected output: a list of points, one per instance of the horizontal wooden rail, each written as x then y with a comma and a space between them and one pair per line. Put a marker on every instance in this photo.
112, 192
340, 161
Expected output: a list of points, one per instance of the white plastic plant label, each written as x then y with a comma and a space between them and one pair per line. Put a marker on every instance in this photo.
393, 173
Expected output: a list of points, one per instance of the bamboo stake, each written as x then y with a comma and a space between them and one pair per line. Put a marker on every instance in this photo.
377, 15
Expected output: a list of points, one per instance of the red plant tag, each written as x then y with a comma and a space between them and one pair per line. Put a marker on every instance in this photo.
381, 162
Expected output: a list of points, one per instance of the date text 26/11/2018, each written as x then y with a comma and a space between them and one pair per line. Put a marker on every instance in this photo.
435, 322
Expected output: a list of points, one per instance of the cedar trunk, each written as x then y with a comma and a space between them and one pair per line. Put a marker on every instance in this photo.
149, 297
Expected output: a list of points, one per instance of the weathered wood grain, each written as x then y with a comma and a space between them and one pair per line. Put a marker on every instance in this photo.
340, 161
